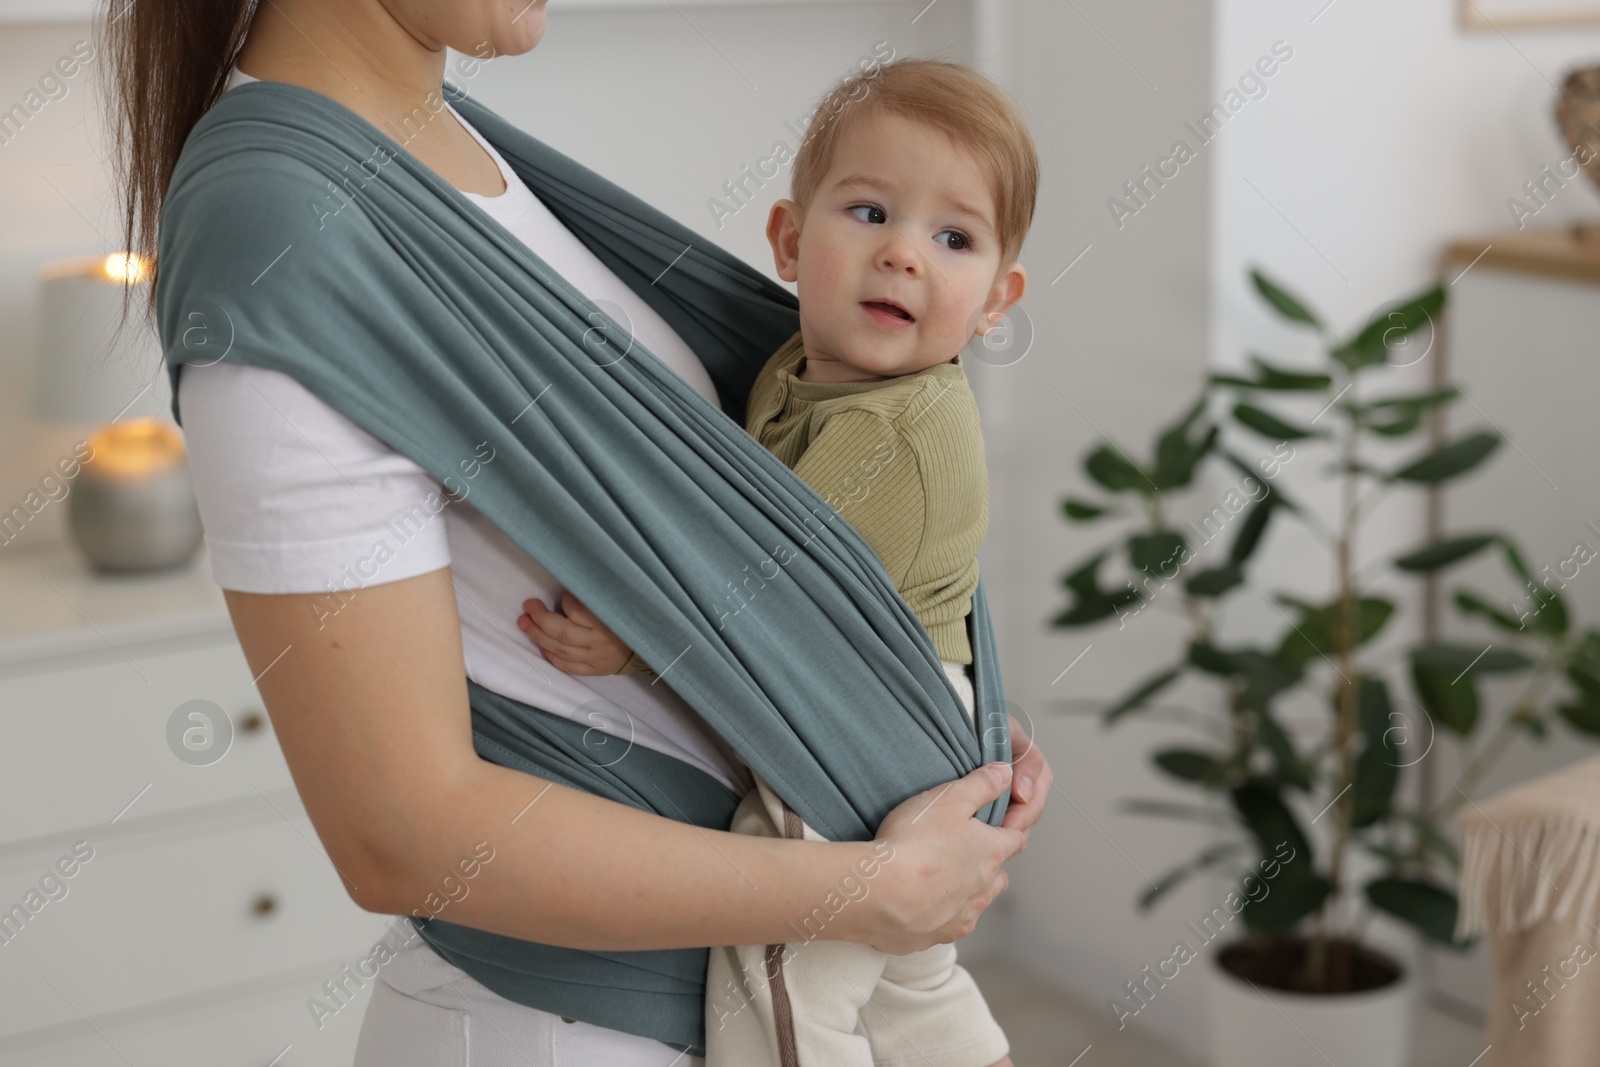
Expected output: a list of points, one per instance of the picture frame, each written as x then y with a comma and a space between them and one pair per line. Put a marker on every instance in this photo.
1493, 15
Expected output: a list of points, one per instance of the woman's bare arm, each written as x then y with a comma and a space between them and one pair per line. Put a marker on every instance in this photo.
370, 707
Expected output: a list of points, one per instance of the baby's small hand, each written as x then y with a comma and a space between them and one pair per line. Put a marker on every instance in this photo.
574, 639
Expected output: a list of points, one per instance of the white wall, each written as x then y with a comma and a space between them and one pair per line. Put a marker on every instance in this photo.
1120, 343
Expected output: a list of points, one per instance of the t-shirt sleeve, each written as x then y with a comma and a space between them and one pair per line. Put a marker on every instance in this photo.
296, 498
865, 468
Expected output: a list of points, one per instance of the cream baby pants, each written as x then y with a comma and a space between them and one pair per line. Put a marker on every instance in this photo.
816, 1003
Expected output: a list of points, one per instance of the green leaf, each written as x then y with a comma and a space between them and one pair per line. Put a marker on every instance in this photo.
1286, 762
1264, 675
1396, 425
1286, 305
1080, 510
1255, 475
1211, 659
1388, 328
1453, 658
1250, 531
1114, 471
1137, 699
1375, 712
1177, 455
1443, 553
1586, 653
1187, 764
1093, 609
1156, 553
1472, 604
1085, 581
1422, 905
1291, 897
1551, 614
1269, 425
1585, 718
1413, 402
1377, 769
1585, 680
1451, 460
1214, 581
1092, 603
1450, 699
1261, 807
1275, 378
1514, 560
1313, 634
1398, 416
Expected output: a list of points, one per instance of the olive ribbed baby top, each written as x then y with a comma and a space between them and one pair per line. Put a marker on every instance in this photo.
901, 459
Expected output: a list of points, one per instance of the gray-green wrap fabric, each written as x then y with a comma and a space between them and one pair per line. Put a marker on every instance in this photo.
299, 237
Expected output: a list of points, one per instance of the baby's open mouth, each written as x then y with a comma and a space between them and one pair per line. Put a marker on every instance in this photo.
888, 308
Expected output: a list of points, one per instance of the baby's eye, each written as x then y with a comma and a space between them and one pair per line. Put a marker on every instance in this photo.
872, 208
963, 242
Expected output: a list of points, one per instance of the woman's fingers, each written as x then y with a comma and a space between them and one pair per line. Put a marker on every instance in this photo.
1031, 783
986, 783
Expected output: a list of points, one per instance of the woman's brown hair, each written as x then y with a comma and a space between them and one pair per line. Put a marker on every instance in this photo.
167, 61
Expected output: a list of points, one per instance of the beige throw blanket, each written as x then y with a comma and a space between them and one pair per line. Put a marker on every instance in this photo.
1530, 877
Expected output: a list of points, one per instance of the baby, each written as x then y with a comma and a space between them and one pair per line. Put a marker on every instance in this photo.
912, 193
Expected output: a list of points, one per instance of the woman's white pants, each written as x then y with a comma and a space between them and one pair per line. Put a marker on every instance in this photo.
425, 1012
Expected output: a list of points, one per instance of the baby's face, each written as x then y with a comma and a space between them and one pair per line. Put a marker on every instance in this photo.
906, 216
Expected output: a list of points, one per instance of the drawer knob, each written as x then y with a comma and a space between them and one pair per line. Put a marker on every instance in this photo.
251, 722
266, 904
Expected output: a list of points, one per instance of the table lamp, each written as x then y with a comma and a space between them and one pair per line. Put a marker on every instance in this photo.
132, 507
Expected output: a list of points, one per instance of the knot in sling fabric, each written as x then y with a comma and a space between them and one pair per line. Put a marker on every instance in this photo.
298, 237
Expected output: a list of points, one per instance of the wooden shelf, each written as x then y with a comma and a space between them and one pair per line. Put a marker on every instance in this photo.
1551, 252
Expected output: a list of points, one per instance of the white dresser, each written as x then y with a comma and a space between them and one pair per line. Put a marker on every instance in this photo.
155, 909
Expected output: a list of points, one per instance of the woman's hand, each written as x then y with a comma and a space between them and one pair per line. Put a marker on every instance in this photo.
1031, 777
574, 639
945, 867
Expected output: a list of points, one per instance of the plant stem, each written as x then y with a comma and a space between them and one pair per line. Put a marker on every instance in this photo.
1343, 633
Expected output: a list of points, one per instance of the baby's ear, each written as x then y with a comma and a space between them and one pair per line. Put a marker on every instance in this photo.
1009, 285
783, 233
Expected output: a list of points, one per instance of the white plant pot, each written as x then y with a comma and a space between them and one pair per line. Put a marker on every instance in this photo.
1261, 1027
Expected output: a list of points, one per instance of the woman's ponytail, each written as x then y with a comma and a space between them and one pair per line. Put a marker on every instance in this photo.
166, 63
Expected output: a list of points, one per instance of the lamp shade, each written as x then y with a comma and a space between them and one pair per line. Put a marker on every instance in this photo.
85, 370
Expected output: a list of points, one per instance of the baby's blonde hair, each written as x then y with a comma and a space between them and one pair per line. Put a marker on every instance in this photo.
956, 100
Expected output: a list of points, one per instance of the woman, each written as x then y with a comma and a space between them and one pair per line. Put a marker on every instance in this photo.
366, 691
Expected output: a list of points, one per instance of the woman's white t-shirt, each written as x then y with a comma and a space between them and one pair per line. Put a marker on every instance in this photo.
296, 498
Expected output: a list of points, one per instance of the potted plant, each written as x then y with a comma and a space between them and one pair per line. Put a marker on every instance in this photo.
1303, 793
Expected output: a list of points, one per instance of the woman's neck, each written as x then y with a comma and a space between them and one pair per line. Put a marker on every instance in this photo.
354, 53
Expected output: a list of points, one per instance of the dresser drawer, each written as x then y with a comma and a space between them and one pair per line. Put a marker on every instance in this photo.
136, 925
261, 1030
80, 744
